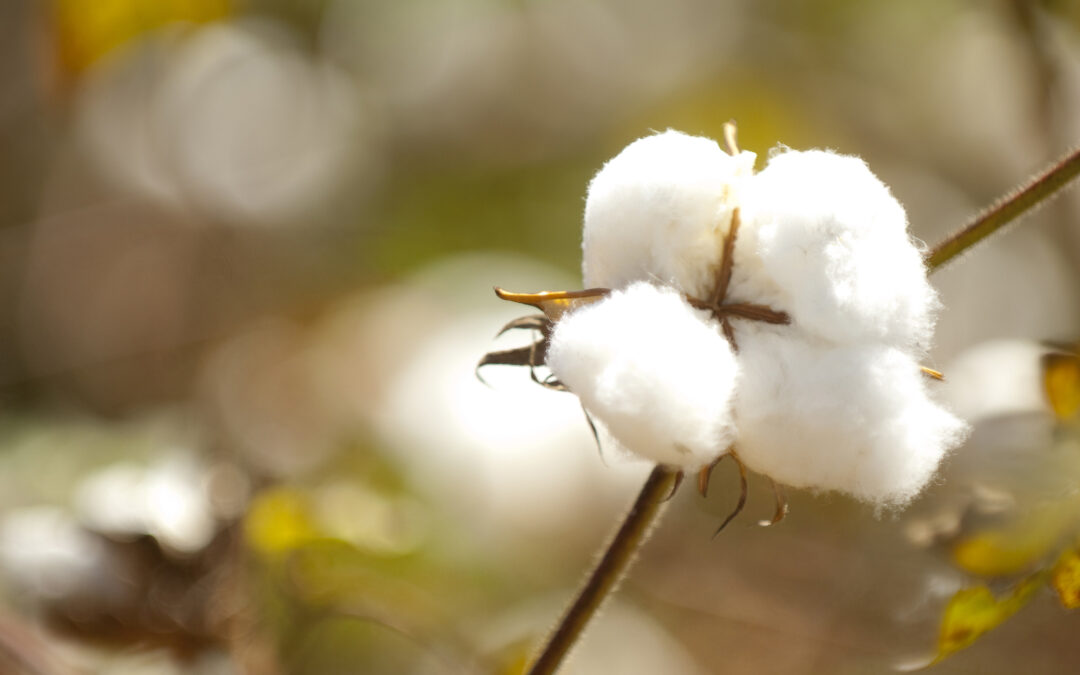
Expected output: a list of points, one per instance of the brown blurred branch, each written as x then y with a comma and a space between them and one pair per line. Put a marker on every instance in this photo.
22, 651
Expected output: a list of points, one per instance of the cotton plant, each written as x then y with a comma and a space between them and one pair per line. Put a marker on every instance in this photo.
778, 318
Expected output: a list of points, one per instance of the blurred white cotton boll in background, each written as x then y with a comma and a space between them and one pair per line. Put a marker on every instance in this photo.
167, 500
492, 69
996, 378
659, 211
1017, 447
1019, 458
45, 552
512, 458
115, 125
261, 132
654, 371
234, 119
1031, 283
833, 242
514, 455
857, 419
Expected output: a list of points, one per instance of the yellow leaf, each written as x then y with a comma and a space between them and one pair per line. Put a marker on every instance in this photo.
998, 553
973, 611
280, 520
1020, 543
86, 31
1061, 381
1065, 578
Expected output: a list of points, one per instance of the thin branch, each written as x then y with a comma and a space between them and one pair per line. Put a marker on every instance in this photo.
618, 555
1039, 189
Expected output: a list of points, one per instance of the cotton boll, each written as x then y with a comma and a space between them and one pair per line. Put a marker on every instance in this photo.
854, 419
998, 378
659, 211
45, 552
653, 370
825, 241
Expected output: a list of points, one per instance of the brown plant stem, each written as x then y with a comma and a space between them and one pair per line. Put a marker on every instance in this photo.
616, 560
1007, 209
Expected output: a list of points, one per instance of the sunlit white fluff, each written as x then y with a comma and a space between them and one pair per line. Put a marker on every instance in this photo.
653, 371
45, 553
825, 241
659, 211
857, 419
835, 400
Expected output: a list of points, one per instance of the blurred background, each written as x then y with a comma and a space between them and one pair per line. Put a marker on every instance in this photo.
246, 257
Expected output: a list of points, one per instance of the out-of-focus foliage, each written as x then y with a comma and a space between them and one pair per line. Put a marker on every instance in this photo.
1020, 543
974, 611
1065, 577
1035, 547
1062, 382
88, 31
279, 520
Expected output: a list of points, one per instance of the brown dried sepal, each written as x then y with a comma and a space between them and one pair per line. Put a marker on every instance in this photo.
530, 356
554, 304
781, 506
743, 491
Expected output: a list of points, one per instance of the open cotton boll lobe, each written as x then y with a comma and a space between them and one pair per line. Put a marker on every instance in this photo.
832, 398
825, 241
655, 372
853, 419
659, 210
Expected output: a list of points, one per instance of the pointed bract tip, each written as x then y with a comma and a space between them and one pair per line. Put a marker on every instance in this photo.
935, 374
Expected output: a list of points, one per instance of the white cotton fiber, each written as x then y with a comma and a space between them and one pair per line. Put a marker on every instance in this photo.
653, 370
825, 241
856, 419
833, 400
659, 211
